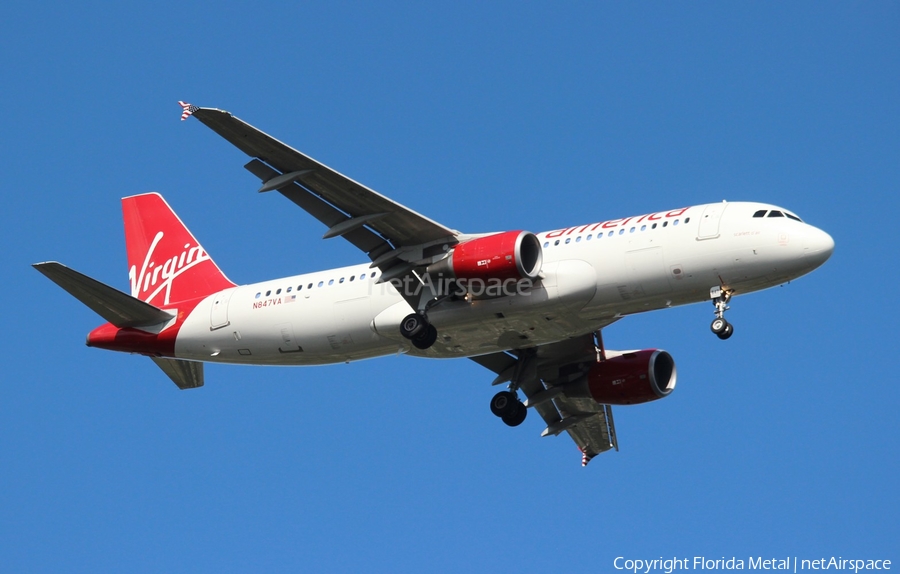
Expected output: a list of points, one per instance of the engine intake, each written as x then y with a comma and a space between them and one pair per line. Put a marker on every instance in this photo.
507, 255
633, 377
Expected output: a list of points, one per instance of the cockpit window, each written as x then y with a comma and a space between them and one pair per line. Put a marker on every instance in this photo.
760, 213
792, 216
774, 213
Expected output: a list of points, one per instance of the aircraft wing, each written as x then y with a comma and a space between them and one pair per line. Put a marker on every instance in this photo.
543, 374
396, 238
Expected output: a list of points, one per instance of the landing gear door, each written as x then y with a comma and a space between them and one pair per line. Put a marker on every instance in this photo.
218, 315
709, 221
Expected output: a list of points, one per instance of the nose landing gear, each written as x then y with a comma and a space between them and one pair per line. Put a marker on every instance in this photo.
720, 298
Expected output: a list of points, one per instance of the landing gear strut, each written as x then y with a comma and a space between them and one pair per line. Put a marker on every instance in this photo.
720, 298
418, 330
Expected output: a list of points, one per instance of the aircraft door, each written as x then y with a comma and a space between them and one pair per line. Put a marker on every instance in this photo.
218, 315
709, 221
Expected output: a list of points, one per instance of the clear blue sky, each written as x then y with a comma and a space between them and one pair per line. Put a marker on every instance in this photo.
783, 440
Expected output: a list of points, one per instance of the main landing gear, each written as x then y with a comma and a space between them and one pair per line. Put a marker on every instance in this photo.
507, 406
418, 330
720, 298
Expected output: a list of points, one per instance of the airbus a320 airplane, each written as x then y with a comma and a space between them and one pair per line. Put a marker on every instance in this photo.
529, 307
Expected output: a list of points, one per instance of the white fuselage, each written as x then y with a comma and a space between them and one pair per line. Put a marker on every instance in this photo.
592, 275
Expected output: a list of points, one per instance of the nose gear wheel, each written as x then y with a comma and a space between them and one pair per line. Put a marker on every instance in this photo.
720, 297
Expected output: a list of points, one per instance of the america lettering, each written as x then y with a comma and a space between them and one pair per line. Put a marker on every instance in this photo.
614, 223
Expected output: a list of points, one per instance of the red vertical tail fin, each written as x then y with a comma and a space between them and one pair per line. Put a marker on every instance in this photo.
166, 263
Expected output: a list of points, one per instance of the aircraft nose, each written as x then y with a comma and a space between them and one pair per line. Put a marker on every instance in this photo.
819, 246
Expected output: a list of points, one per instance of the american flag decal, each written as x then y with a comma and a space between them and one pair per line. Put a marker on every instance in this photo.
187, 109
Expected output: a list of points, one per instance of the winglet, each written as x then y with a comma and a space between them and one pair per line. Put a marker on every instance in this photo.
585, 457
187, 109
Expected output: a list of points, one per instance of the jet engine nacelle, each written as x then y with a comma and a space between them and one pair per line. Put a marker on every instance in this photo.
633, 377
507, 255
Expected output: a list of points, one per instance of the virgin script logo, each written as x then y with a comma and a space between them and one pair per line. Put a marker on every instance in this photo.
160, 277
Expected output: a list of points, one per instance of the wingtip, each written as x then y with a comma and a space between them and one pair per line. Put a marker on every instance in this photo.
40, 265
585, 458
187, 109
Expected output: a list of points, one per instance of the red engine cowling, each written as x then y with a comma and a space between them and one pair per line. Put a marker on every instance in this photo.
632, 378
507, 255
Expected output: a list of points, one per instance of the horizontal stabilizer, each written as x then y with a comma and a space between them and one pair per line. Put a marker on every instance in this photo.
185, 374
120, 309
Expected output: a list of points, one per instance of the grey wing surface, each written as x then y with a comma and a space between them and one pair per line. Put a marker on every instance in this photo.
552, 377
120, 309
396, 238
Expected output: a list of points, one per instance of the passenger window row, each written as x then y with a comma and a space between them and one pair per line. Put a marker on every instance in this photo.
319, 284
633, 229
